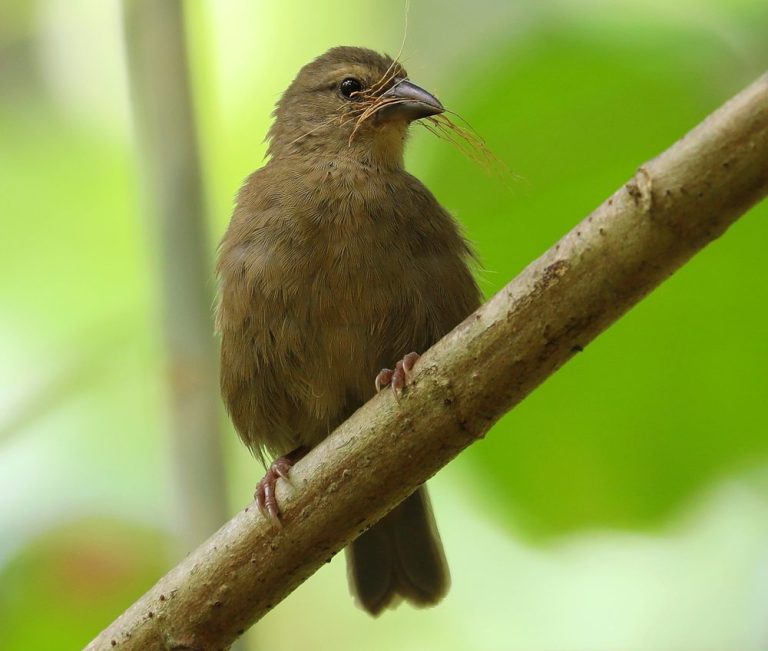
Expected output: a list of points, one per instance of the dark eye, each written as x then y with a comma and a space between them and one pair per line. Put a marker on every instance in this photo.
350, 85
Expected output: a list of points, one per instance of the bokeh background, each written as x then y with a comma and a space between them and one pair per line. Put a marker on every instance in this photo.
623, 505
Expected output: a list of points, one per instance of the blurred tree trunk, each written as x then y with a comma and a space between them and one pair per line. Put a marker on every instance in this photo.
165, 126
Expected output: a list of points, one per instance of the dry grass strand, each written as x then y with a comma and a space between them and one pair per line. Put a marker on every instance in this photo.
470, 144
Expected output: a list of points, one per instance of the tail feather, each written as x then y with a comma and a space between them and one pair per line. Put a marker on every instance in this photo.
400, 557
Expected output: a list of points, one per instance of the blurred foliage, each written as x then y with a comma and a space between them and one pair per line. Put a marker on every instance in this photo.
651, 416
75, 576
670, 398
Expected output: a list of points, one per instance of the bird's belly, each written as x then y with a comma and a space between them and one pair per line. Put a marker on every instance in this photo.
355, 335
357, 325
343, 310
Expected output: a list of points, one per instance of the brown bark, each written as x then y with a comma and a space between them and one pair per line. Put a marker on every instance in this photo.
672, 207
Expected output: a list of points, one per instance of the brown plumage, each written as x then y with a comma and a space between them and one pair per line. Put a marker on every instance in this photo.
337, 263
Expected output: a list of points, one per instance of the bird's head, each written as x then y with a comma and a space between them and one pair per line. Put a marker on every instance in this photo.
350, 102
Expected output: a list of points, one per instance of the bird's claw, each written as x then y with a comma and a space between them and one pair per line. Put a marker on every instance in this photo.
397, 378
265, 496
383, 378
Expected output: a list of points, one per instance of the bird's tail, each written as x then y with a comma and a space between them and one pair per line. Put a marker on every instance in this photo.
400, 557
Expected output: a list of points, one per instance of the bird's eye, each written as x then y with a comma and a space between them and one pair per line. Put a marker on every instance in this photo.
348, 86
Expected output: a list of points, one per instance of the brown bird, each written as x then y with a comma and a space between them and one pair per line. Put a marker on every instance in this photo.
336, 263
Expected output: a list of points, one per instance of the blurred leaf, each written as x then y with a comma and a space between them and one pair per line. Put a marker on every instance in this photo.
671, 397
76, 580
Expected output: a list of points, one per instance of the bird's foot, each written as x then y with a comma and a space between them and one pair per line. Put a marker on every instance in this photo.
265, 489
398, 377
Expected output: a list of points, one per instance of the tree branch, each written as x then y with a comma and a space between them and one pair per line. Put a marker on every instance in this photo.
672, 207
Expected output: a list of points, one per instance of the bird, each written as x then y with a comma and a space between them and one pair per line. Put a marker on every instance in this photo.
337, 263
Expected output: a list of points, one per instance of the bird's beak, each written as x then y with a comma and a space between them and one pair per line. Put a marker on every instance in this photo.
413, 103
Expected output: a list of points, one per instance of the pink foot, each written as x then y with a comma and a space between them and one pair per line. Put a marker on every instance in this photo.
265, 489
398, 377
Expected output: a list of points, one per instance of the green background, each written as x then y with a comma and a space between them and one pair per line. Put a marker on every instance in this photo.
624, 504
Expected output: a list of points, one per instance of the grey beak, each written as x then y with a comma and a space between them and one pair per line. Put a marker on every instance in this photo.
415, 102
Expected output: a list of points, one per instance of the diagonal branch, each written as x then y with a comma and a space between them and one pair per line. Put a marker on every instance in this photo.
672, 207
